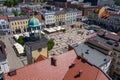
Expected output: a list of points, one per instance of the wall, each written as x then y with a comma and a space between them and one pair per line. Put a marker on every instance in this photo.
14, 24
4, 66
36, 53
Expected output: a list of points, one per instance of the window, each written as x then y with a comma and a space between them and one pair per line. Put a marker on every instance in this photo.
39, 49
118, 63
12, 23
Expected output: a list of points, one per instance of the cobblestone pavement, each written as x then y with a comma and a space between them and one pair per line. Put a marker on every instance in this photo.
14, 62
72, 36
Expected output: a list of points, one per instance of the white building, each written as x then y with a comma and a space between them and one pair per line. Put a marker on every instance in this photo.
4, 68
71, 16
4, 25
49, 18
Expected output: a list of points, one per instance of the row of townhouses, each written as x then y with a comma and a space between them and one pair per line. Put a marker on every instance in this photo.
47, 18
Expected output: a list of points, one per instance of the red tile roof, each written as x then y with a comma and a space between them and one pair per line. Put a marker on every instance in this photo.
118, 33
40, 58
112, 36
88, 72
39, 17
45, 71
4, 17
109, 35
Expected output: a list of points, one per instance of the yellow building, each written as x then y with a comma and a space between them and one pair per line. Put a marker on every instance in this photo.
18, 24
60, 17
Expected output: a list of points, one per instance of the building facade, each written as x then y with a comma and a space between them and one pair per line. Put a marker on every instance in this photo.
49, 18
4, 68
18, 24
4, 24
71, 16
60, 17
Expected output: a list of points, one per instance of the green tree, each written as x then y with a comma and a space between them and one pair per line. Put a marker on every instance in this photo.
21, 40
117, 2
22, 13
9, 3
51, 44
15, 13
16, 2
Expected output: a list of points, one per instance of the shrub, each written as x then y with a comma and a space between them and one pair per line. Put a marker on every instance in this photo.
21, 40
51, 44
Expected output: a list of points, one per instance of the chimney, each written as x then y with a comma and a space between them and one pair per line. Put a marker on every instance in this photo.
71, 66
53, 61
12, 73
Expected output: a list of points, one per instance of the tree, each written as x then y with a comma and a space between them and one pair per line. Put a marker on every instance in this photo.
51, 44
22, 13
9, 3
117, 2
15, 12
16, 2
21, 40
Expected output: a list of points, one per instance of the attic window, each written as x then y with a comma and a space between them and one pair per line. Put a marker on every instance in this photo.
39, 49
78, 75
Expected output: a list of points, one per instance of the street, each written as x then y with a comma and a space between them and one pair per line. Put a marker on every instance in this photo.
14, 62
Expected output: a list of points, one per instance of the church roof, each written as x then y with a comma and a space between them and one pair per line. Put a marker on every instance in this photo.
33, 22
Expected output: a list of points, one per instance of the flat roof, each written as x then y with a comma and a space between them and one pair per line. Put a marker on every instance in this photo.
42, 43
93, 56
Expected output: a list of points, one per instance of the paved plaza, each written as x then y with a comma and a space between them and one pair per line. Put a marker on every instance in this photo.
72, 36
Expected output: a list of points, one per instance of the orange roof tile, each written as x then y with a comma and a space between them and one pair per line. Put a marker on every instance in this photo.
45, 71
88, 72
40, 58
39, 17
4, 17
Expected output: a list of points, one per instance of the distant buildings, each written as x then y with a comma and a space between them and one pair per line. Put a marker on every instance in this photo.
66, 66
100, 2
4, 68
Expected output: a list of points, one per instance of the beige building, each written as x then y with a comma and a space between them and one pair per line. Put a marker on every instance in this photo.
36, 51
18, 24
60, 17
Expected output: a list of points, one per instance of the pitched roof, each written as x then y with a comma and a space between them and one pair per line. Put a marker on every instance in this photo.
18, 18
43, 70
87, 72
40, 58
4, 17
112, 36
39, 17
